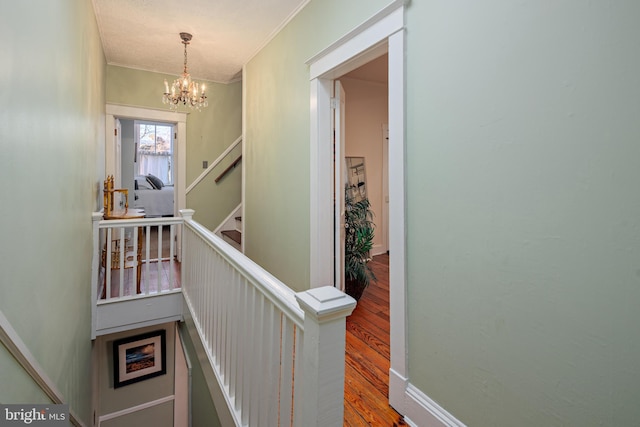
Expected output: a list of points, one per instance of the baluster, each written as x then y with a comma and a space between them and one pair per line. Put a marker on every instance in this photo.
107, 269
159, 262
96, 262
271, 360
285, 388
136, 260
256, 344
171, 249
235, 322
147, 260
122, 246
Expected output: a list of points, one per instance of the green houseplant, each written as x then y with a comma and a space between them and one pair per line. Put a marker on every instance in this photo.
359, 232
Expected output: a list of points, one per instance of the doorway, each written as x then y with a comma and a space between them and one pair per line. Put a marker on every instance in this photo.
383, 33
114, 113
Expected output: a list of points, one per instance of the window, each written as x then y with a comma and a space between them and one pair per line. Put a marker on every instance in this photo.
155, 150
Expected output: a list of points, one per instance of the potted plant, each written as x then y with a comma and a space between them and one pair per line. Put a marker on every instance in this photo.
358, 243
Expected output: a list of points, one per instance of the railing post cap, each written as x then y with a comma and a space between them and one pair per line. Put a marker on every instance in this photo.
186, 213
326, 303
97, 216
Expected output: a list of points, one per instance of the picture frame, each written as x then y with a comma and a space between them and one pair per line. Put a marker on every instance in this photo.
139, 358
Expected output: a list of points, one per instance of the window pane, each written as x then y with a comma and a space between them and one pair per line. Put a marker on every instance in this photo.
155, 151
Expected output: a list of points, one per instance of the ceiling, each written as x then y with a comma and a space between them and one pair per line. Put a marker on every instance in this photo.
144, 34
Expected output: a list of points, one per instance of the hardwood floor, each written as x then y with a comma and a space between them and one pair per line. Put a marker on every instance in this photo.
366, 388
156, 279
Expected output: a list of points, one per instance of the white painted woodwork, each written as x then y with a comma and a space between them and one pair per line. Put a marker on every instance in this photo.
132, 313
124, 309
340, 180
114, 111
397, 222
424, 411
326, 309
134, 409
383, 32
385, 191
277, 355
253, 328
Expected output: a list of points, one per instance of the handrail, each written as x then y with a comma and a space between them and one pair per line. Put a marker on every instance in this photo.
18, 349
231, 166
108, 235
276, 291
275, 353
139, 222
213, 165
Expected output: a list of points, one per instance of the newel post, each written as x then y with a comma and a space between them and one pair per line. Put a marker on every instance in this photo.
96, 217
187, 216
321, 399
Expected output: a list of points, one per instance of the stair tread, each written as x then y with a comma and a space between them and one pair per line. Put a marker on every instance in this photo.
234, 235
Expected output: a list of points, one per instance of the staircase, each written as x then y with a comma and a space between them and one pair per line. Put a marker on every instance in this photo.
234, 236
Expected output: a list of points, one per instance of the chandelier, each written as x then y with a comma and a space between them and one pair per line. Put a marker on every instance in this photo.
183, 90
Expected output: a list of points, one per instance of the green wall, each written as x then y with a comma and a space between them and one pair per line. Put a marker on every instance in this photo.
276, 218
523, 211
52, 140
523, 216
113, 400
209, 133
203, 411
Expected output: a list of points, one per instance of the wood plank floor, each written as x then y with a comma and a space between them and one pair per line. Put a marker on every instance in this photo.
366, 387
156, 279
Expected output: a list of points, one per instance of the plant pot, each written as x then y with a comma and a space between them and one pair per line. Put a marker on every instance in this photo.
354, 288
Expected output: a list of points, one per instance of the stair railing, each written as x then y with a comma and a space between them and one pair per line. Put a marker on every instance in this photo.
278, 355
215, 163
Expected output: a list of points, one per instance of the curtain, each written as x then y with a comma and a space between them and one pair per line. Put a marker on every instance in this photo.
155, 164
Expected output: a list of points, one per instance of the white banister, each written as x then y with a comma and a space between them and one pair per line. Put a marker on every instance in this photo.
322, 391
95, 270
278, 356
134, 285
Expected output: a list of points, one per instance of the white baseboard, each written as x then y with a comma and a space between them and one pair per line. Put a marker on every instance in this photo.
377, 250
422, 411
397, 388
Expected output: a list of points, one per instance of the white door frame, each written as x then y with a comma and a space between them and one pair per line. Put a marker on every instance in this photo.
384, 32
339, 138
180, 145
114, 111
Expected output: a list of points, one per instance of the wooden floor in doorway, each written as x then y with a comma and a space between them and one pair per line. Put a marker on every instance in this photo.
366, 388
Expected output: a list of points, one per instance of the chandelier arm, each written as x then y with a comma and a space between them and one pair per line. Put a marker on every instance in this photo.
183, 89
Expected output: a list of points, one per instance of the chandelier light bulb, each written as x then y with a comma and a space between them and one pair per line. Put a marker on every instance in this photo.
183, 90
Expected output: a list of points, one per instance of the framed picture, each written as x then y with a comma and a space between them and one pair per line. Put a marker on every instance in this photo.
139, 358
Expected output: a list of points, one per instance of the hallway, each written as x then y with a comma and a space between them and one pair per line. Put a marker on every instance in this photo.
366, 393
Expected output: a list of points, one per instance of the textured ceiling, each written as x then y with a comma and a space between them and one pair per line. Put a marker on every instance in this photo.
144, 34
